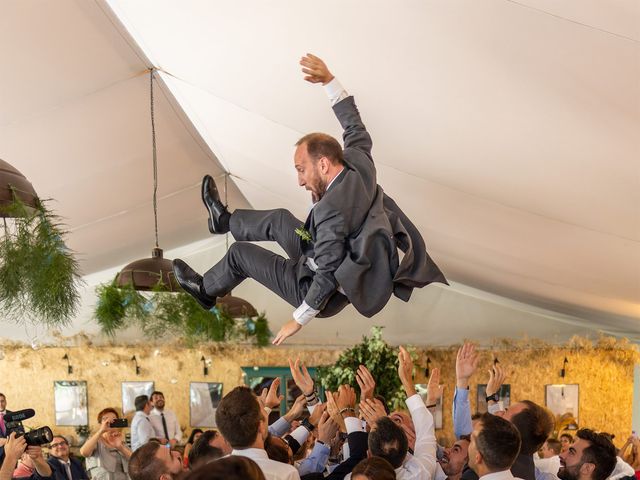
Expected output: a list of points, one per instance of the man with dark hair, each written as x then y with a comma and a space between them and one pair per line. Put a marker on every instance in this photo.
549, 461
534, 423
591, 456
63, 466
350, 238
388, 440
141, 428
494, 446
164, 421
455, 458
243, 422
155, 462
203, 452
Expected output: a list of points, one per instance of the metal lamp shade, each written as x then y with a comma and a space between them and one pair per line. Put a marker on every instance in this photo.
145, 274
12, 182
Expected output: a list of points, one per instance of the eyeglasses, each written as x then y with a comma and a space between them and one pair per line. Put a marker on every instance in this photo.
59, 444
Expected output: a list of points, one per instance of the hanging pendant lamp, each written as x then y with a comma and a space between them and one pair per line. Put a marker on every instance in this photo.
236, 307
150, 273
14, 184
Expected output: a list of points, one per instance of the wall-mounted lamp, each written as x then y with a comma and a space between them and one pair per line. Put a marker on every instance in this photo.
563, 372
69, 367
205, 369
135, 360
427, 370
495, 360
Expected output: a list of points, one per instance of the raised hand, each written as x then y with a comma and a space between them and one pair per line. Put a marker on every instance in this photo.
366, 382
466, 364
315, 69
301, 376
327, 428
434, 389
371, 411
15, 447
405, 371
346, 398
296, 409
271, 398
318, 410
497, 376
334, 411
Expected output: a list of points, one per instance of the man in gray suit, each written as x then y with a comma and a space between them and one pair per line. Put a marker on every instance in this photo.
345, 252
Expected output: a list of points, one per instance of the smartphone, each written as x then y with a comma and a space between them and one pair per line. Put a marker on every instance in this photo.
119, 423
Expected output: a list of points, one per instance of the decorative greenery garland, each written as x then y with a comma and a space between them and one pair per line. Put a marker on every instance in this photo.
39, 276
161, 314
381, 360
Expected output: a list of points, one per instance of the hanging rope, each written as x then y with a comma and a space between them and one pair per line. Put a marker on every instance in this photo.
155, 161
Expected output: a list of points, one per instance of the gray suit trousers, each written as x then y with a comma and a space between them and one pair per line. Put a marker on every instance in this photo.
289, 278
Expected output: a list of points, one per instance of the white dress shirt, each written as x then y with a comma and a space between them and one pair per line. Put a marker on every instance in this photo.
173, 427
503, 475
141, 430
548, 465
272, 470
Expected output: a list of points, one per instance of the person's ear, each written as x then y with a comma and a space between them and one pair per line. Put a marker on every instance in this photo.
324, 165
587, 469
479, 459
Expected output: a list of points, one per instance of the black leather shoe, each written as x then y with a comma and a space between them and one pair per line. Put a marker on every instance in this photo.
191, 282
218, 213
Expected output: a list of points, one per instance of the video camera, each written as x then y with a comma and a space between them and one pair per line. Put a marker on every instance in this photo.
37, 437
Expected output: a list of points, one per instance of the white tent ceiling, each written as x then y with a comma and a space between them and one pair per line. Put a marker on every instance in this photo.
509, 131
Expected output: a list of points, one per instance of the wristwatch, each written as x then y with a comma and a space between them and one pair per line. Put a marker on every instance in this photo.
308, 425
493, 397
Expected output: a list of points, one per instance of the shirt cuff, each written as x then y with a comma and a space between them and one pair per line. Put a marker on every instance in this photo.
353, 424
300, 434
495, 408
304, 314
414, 402
335, 91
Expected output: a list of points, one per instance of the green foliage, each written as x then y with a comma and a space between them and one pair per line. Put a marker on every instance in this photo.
39, 276
161, 314
381, 360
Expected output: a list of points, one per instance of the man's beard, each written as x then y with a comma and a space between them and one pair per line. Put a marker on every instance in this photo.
569, 473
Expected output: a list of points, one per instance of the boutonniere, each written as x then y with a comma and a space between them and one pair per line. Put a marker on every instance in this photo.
303, 233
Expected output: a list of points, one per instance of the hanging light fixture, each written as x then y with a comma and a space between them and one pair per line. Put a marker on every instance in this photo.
236, 307
147, 273
14, 184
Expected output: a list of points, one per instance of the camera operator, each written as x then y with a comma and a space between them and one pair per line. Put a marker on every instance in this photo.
106, 454
64, 467
16, 449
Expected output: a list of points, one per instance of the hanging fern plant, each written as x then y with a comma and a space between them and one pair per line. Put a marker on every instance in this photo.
161, 314
381, 360
39, 276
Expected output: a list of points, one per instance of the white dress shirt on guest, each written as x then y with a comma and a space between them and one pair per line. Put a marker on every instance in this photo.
173, 427
141, 430
549, 465
504, 475
272, 470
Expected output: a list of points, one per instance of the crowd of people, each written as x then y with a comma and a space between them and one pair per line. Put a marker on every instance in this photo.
348, 436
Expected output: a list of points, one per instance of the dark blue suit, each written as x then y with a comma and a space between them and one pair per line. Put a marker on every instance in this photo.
60, 473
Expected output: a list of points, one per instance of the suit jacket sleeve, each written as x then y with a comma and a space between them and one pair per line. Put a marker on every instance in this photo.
330, 224
358, 452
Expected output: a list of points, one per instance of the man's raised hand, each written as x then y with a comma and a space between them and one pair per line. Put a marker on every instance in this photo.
301, 376
315, 69
434, 389
497, 375
366, 382
270, 397
466, 364
405, 371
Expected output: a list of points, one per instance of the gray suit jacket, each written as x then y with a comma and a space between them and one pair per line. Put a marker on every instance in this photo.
356, 231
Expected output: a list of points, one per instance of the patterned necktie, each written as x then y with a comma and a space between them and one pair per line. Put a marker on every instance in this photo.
67, 467
164, 426
3, 428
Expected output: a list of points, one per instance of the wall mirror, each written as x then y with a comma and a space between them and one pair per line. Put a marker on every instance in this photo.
70, 402
204, 398
130, 390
